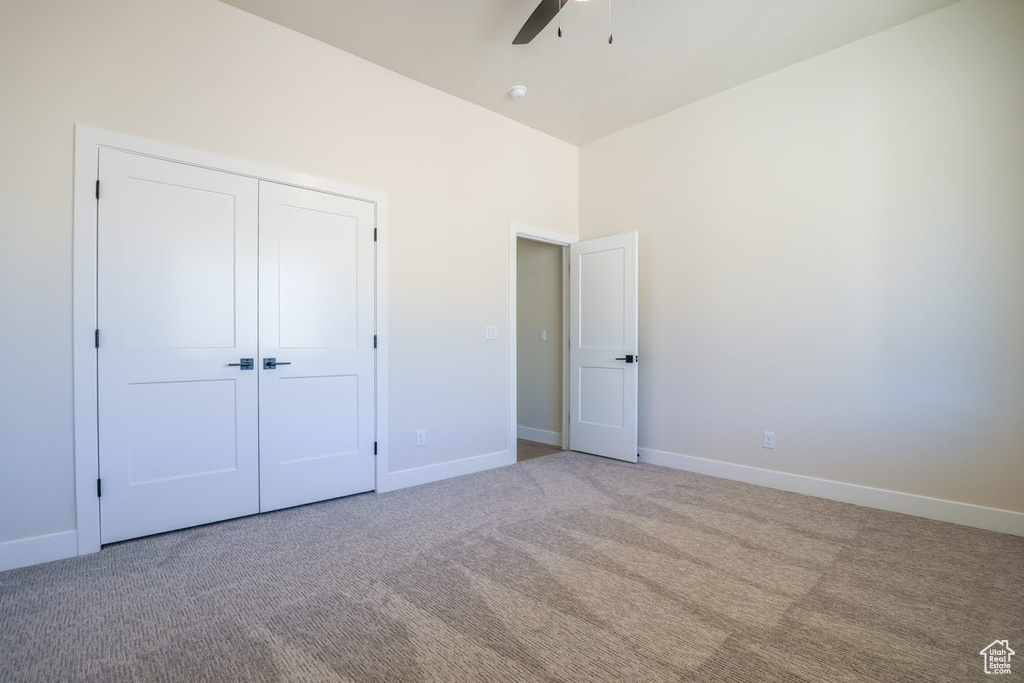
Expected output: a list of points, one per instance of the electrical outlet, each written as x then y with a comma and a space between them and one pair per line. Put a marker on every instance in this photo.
769, 440
421, 437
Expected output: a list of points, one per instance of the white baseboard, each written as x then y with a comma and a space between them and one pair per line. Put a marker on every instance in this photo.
38, 549
415, 476
539, 435
993, 519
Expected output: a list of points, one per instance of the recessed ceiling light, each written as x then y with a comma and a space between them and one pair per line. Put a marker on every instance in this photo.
517, 92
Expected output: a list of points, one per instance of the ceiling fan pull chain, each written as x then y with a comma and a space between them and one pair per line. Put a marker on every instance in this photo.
558, 13
609, 22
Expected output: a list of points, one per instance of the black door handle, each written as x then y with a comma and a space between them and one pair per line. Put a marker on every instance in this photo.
629, 358
271, 363
244, 363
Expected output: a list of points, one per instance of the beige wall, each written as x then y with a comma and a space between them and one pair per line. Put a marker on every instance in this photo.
836, 252
204, 75
539, 363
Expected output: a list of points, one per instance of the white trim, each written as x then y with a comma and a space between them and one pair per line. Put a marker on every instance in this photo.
515, 231
993, 519
536, 234
540, 435
392, 481
382, 408
88, 141
38, 549
565, 348
86, 447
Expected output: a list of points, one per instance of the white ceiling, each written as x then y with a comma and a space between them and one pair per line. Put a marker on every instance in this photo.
667, 53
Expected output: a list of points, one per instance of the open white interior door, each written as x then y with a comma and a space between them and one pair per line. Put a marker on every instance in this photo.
603, 346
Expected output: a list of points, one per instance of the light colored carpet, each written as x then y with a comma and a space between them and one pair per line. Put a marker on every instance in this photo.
563, 568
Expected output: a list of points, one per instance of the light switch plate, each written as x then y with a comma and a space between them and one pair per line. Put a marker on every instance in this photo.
491, 332
543, 335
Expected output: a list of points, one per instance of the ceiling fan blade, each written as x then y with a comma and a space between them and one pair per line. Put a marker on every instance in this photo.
541, 17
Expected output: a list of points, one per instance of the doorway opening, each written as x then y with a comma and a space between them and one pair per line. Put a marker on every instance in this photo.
541, 348
600, 340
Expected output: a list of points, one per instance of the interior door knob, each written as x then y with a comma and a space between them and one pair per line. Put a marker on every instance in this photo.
630, 358
243, 363
272, 363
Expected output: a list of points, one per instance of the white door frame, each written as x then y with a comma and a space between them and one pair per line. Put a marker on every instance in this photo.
516, 231
88, 142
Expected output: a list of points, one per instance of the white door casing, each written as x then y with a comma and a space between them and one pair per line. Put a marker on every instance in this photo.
603, 354
176, 292
90, 144
317, 320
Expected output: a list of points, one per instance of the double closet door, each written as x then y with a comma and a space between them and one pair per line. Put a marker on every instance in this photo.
235, 350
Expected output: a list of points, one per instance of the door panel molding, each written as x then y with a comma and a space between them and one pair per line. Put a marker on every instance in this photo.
604, 324
86, 193
316, 311
176, 273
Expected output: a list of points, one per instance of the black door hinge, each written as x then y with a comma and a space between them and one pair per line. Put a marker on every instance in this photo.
96, 339
97, 189
375, 448
375, 234
99, 488
374, 341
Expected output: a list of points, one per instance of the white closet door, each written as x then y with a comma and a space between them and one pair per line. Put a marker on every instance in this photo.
603, 355
317, 322
176, 293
